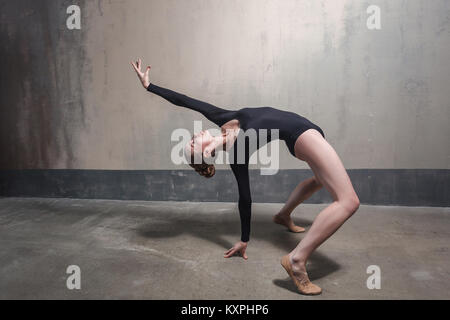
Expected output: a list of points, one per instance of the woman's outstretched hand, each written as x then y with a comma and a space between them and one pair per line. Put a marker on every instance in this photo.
238, 248
143, 76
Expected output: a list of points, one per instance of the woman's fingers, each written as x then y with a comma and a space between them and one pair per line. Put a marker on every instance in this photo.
138, 70
230, 252
135, 67
234, 251
237, 249
244, 255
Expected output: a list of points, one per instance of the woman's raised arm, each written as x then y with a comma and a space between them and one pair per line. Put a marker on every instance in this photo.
215, 114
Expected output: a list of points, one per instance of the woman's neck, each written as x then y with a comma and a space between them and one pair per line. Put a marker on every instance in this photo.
226, 140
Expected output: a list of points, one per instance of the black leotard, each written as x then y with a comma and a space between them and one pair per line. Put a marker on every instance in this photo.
289, 124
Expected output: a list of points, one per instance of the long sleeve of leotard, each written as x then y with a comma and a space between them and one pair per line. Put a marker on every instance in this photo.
219, 116
215, 114
245, 200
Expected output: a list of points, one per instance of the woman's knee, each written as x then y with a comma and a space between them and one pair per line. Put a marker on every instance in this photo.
351, 203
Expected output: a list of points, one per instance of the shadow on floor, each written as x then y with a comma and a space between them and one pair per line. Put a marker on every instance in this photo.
167, 223
214, 230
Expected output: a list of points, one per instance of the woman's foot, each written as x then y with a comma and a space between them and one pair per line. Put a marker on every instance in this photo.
300, 277
287, 222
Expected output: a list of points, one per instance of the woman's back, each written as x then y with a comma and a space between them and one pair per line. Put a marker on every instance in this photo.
289, 124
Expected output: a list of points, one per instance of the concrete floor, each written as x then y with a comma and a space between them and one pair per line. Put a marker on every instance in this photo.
174, 250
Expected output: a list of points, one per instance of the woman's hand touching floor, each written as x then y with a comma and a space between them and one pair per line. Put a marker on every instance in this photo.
239, 248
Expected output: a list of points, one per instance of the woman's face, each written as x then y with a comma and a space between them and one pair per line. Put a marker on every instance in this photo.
200, 141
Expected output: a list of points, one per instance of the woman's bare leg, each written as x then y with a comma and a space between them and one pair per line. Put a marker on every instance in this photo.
330, 171
303, 191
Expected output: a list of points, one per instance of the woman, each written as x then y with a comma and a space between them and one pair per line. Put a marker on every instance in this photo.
305, 140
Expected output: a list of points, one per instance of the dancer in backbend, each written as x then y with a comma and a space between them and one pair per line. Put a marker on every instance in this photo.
305, 141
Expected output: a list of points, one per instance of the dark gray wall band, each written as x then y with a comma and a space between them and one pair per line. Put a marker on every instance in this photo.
406, 187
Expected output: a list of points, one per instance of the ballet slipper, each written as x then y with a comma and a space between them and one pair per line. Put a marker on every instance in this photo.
303, 284
293, 228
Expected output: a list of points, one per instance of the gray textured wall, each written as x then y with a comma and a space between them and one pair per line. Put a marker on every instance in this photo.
70, 100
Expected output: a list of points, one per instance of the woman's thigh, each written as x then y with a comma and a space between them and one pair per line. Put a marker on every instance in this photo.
325, 163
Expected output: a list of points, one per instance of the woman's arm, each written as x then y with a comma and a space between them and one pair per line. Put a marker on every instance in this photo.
215, 114
245, 200
245, 206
